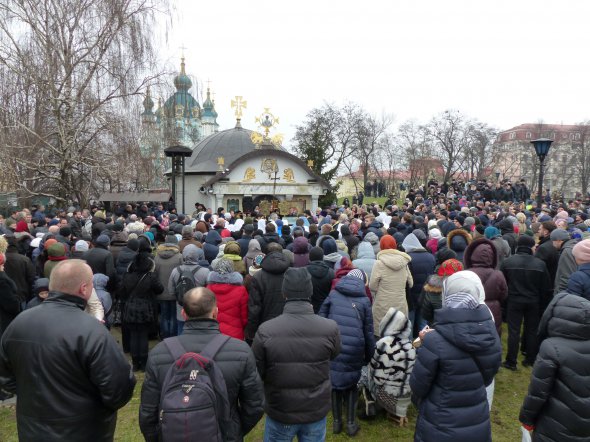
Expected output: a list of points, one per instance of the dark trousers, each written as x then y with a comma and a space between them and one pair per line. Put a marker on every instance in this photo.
515, 314
139, 343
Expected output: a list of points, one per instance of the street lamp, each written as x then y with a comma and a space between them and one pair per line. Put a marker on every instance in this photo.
178, 154
497, 175
542, 146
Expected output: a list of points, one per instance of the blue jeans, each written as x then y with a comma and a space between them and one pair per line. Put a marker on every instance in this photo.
167, 319
275, 431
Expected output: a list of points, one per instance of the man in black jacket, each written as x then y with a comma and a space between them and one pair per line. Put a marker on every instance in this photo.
71, 375
528, 284
20, 269
546, 251
293, 353
101, 260
235, 359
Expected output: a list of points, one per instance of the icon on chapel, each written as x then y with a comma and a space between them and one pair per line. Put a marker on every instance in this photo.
249, 175
269, 166
288, 175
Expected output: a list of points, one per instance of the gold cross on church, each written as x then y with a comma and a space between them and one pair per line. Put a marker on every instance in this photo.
239, 103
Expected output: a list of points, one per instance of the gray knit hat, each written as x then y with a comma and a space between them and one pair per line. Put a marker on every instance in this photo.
223, 266
297, 284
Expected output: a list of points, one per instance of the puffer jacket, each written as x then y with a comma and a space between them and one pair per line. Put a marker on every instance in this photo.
266, 299
232, 302
431, 297
168, 257
481, 257
83, 404
348, 305
388, 282
566, 266
365, 258
376, 227
579, 283
292, 355
211, 245
558, 399
321, 280
455, 364
236, 362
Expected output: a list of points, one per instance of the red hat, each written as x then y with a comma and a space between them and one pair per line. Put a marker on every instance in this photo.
49, 243
387, 242
22, 226
449, 267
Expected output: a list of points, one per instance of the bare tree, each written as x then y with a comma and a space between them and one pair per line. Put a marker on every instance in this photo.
81, 62
415, 146
480, 156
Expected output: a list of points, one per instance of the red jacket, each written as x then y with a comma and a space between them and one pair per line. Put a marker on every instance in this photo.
232, 302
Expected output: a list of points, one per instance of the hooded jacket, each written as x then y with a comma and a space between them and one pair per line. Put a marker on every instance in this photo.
481, 257
22, 272
579, 283
394, 357
300, 252
348, 305
100, 281
124, 259
373, 239
507, 229
253, 250
547, 253
365, 258
421, 266
321, 280
566, 266
118, 241
266, 299
457, 241
455, 364
168, 257
389, 278
211, 245
431, 297
558, 399
232, 302
232, 252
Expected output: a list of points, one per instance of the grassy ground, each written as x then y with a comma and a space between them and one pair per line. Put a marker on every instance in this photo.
510, 390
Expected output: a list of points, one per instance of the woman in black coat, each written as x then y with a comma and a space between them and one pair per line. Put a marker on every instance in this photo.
138, 290
9, 300
557, 404
455, 363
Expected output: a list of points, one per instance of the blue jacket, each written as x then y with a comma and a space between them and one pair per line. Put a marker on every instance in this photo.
455, 364
349, 306
211, 245
365, 258
421, 266
579, 282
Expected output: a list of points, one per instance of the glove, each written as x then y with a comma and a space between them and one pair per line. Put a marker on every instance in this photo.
528, 427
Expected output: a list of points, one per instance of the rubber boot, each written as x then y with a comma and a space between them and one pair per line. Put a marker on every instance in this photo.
337, 411
351, 426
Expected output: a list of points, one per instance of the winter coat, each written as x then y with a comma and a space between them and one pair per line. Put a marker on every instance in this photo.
565, 267
579, 283
394, 357
211, 245
100, 260
20, 269
390, 276
373, 239
455, 364
71, 374
481, 258
431, 298
99, 282
244, 243
266, 299
421, 266
292, 354
124, 260
9, 301
232, 302
457, 241
348, 305
527, 278
253, 250
321, 280
168, 257
234, 359
376, 227
301, 252
502, 248
186, 241
118, 242
558, 399
547, 253
140, 281
267, 238
236, 260
507, 229
365, 259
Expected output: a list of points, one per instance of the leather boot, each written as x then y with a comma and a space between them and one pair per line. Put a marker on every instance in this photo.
337, 411
351, 426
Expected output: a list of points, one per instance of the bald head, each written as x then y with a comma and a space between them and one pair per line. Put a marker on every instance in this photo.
72, 276
54, 230
200, 303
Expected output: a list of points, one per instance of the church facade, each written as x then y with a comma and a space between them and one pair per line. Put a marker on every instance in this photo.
237, 168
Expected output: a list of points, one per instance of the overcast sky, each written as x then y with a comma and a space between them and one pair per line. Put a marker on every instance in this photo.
502, 62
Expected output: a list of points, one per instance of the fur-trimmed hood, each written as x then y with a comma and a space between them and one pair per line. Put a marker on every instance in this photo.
458, 240
434, 284
394, 259
481, 253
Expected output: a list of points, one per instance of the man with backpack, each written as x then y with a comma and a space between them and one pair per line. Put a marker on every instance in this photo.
193, 272
231, 358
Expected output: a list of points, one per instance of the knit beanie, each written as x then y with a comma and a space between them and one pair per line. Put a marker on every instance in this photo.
434, 233
103, 240
171, 239
449, 267
40, 285
81, 246
491, 232
469, 221
133, 244
297, 284
316, 254
581, 251
559, 235
232, 248
443, 254
525, 241
329, 246
387, 242
223, 266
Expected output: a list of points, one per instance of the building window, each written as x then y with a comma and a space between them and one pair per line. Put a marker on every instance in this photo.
577, 136
528, 135
512, 135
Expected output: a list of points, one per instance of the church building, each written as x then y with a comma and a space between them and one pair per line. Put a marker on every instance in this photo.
237, 168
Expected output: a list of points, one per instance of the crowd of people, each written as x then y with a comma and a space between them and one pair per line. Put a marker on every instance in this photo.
354, 309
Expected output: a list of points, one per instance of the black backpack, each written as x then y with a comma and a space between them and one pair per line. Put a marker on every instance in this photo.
186, 282
193, 402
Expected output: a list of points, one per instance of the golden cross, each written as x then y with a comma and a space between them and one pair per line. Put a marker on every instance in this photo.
239, 103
